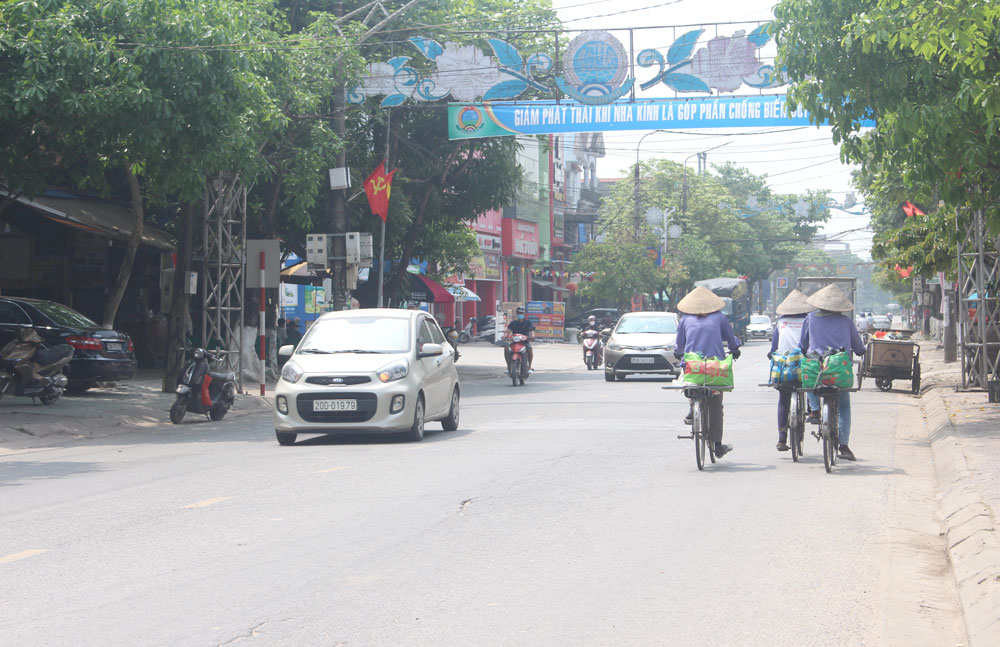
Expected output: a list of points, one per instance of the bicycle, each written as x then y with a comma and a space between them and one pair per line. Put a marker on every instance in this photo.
829, 433
700, 427
796, 416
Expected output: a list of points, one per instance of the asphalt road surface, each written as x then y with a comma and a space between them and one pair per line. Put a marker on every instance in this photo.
565, 512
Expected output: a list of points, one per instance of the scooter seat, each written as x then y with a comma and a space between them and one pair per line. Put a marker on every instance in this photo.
226, 377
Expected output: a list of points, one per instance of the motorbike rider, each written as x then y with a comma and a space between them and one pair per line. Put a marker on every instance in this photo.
31, 361
520, 325
787, 338
825, 329
703, 329
593, 325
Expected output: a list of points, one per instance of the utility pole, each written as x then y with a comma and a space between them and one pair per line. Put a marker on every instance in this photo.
338, 197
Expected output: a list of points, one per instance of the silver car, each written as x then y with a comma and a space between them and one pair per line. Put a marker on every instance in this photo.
369, 370
642, 342
760, 326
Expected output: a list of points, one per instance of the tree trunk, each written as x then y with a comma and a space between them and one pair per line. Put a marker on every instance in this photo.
177, 321
111, 308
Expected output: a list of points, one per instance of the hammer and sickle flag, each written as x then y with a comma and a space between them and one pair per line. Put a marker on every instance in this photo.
377, 188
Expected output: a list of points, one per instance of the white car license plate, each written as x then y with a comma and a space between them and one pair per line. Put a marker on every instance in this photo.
335, 405
115, 346
643, 360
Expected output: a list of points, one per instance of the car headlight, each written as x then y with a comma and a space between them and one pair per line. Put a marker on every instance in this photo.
614, 346
291, 372
394, 371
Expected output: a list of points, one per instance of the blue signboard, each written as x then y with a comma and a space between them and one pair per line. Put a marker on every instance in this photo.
491, 119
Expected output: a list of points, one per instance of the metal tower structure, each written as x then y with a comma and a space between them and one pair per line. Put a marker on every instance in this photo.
978, 281
225, 235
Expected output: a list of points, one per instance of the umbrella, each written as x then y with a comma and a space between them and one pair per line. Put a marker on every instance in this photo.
428, 291
461, 293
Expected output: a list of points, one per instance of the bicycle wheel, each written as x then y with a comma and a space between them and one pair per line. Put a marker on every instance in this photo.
698, 433
793, 427
707, 425
800, 421
829, 451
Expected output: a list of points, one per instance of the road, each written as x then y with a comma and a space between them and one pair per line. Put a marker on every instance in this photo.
565, 512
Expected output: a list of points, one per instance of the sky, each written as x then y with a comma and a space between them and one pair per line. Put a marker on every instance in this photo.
794, 160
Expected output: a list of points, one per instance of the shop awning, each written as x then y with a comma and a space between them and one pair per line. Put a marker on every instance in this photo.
461, 293
98, 216
549, 285
428, 291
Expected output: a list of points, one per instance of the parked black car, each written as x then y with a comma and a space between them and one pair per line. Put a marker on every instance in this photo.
581, 320
99, 355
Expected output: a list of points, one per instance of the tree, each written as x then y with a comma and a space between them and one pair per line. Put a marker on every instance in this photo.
617, 271
924, 71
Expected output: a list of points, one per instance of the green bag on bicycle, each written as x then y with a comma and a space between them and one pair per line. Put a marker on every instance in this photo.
786, 367
707, 371
809, 370
838, 370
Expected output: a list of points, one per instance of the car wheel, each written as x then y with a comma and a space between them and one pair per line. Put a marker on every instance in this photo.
285, 438
416, 432
451, 422
79, 387
620, 377
609, 376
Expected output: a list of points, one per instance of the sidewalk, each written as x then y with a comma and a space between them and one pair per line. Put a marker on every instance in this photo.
130, 405
964, 430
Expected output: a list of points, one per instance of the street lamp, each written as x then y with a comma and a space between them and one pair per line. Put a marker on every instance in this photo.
701, 155
636, 182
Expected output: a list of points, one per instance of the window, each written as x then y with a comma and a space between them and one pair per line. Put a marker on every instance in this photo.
436, 334
424, 335
63, 316
361, 333
11, 313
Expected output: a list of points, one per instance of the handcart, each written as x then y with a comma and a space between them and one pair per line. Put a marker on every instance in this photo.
889, 359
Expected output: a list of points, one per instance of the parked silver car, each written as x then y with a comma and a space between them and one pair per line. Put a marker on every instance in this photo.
369, 370
642, 342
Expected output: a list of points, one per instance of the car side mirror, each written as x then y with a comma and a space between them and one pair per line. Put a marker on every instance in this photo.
430, 350
286, 351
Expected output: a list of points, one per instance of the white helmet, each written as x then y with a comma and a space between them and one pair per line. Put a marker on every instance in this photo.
592, 318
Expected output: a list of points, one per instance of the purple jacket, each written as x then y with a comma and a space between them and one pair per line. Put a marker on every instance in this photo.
823, 332
705, 335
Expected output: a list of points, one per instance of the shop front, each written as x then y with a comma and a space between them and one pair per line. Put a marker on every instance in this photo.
520, 249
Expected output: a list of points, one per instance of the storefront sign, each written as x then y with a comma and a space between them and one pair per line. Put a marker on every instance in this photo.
489, 243
520, 238
485, 266
489, 222
549, 318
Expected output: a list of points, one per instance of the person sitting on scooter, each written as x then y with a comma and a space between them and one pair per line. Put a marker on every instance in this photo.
703, 329
593, 325
520, 325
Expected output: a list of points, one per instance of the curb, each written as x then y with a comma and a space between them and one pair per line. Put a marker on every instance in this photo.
973, 543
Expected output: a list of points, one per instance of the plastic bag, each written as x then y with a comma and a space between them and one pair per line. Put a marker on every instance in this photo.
838, 370
707, 371
809, 370
786, 367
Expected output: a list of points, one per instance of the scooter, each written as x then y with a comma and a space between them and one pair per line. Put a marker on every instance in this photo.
203, 391
465, 334
487, 329
29, 368
518, 359
591, 348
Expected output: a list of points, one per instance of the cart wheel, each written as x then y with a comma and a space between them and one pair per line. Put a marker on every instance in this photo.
915, 384
883, 383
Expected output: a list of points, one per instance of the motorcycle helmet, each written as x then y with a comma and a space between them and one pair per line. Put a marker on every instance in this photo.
519, 312
592, 319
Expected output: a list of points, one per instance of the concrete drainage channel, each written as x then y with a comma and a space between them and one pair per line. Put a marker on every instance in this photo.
973, 543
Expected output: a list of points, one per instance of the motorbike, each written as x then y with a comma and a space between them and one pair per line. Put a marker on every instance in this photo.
591, 340
465, 334
518, 359
31, 369
203, 391
451, 334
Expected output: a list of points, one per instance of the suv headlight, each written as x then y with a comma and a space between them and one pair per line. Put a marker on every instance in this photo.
291, 372
613, 345
394, 371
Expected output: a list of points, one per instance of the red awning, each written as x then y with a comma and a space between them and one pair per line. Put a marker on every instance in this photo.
428, 291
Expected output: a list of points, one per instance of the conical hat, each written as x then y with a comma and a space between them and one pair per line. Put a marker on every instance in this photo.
701, 301
794, 304
831, 298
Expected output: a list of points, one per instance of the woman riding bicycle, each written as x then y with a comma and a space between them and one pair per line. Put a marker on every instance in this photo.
787, 338
828, 329
702, 329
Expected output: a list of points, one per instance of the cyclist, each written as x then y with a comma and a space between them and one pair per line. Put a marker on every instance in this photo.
829, 329
787, 338
703, 329
520, 325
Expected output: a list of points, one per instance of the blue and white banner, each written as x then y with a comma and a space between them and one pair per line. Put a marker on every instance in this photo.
491, 119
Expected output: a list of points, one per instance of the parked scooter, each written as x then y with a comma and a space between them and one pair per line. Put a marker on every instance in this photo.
30, 369
465, 334
203, 391
518, 359
487, 329
591, 340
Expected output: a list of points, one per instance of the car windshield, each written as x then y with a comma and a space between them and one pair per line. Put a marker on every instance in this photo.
760, 319
357, 335
660, 325
63, 316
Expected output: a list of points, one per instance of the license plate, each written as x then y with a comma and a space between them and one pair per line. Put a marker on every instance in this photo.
335, 405
643, 360
115, 346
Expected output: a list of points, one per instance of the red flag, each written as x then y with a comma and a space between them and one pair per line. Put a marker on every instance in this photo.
377, 188
911, 209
